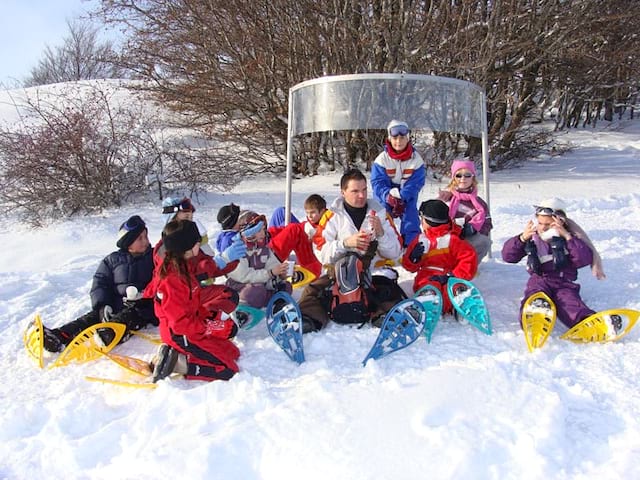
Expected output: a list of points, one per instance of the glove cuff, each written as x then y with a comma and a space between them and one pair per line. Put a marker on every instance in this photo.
220, 261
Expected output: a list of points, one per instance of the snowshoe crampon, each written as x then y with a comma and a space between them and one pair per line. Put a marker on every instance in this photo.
33, 339
431, 300
134, 365
131, 364
284, 322
248, 317
402, 326
87, 345
538, 319
122, 383
604, 326
469, 304
155, 339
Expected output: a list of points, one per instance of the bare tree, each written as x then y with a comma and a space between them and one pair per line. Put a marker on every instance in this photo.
82, 56
227, 66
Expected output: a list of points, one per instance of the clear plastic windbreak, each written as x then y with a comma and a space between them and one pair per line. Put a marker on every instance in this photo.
370, 101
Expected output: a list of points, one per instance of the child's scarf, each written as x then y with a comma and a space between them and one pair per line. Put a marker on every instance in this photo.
477, 221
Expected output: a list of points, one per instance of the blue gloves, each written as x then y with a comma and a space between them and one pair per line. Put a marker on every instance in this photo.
252, 231
233, 252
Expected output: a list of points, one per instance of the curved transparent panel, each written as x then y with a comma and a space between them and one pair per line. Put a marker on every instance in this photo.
370, 101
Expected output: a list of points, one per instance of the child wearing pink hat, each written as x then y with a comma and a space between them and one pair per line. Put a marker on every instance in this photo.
466, 208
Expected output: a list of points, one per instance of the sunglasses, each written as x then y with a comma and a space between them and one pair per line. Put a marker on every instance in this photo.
184, 206
464, 175
399, 131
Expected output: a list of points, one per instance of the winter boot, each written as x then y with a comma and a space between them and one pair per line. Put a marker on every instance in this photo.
167, 361
616, 321
53, 341
309, 324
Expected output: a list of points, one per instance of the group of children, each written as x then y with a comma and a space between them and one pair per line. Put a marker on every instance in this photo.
443, 237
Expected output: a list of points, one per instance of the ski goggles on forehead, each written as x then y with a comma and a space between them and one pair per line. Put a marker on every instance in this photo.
548, 211
399, 131
185, 206
252, 223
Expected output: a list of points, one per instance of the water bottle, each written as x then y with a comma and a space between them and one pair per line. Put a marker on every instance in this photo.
368, 225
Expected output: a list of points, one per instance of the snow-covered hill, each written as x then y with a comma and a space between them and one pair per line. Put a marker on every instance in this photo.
465, 406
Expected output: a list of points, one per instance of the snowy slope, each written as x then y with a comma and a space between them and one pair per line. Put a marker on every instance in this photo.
465, 406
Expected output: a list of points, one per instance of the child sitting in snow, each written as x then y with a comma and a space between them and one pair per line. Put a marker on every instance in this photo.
296, 237
176, 209
259, 274
554, 256
438, 253
558, 207
196, 343
218, 299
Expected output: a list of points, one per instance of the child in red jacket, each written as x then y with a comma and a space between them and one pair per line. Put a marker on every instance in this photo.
195, 343
438, 252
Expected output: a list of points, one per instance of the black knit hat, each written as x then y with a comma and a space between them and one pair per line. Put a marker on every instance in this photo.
228, 216
129, 231
184, 235
434, 212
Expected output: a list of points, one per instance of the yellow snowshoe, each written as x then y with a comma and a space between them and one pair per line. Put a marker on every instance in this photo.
604, 326
538, 319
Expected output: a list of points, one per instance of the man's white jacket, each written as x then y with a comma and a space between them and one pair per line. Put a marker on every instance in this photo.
336, 225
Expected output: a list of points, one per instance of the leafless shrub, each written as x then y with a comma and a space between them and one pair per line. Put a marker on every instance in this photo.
87, 147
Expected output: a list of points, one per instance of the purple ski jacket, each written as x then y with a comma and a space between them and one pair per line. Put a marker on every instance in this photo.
558, 284
579, 254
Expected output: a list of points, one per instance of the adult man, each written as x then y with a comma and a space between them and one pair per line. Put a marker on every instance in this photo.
130, 265
351, 236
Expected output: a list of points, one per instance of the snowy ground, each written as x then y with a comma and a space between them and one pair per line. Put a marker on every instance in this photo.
465, 406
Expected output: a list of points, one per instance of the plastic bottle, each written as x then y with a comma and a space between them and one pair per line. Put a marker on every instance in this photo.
368, 225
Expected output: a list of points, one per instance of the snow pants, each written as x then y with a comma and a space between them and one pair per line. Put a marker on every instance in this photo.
564, 293
208, 358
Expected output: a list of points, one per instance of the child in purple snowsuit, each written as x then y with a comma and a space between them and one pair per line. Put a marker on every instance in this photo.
554, 256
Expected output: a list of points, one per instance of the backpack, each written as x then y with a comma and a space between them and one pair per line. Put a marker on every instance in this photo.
349, 303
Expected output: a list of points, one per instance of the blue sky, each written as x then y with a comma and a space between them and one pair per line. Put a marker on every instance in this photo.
27, 27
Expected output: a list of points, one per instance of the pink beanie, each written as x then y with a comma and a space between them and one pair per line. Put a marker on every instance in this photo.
459, 164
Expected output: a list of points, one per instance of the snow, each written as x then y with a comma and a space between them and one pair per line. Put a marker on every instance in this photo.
467, 405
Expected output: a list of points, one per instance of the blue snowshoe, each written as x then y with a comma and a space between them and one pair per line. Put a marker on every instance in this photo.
468, 302
402, 326
284, 322
431, 300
